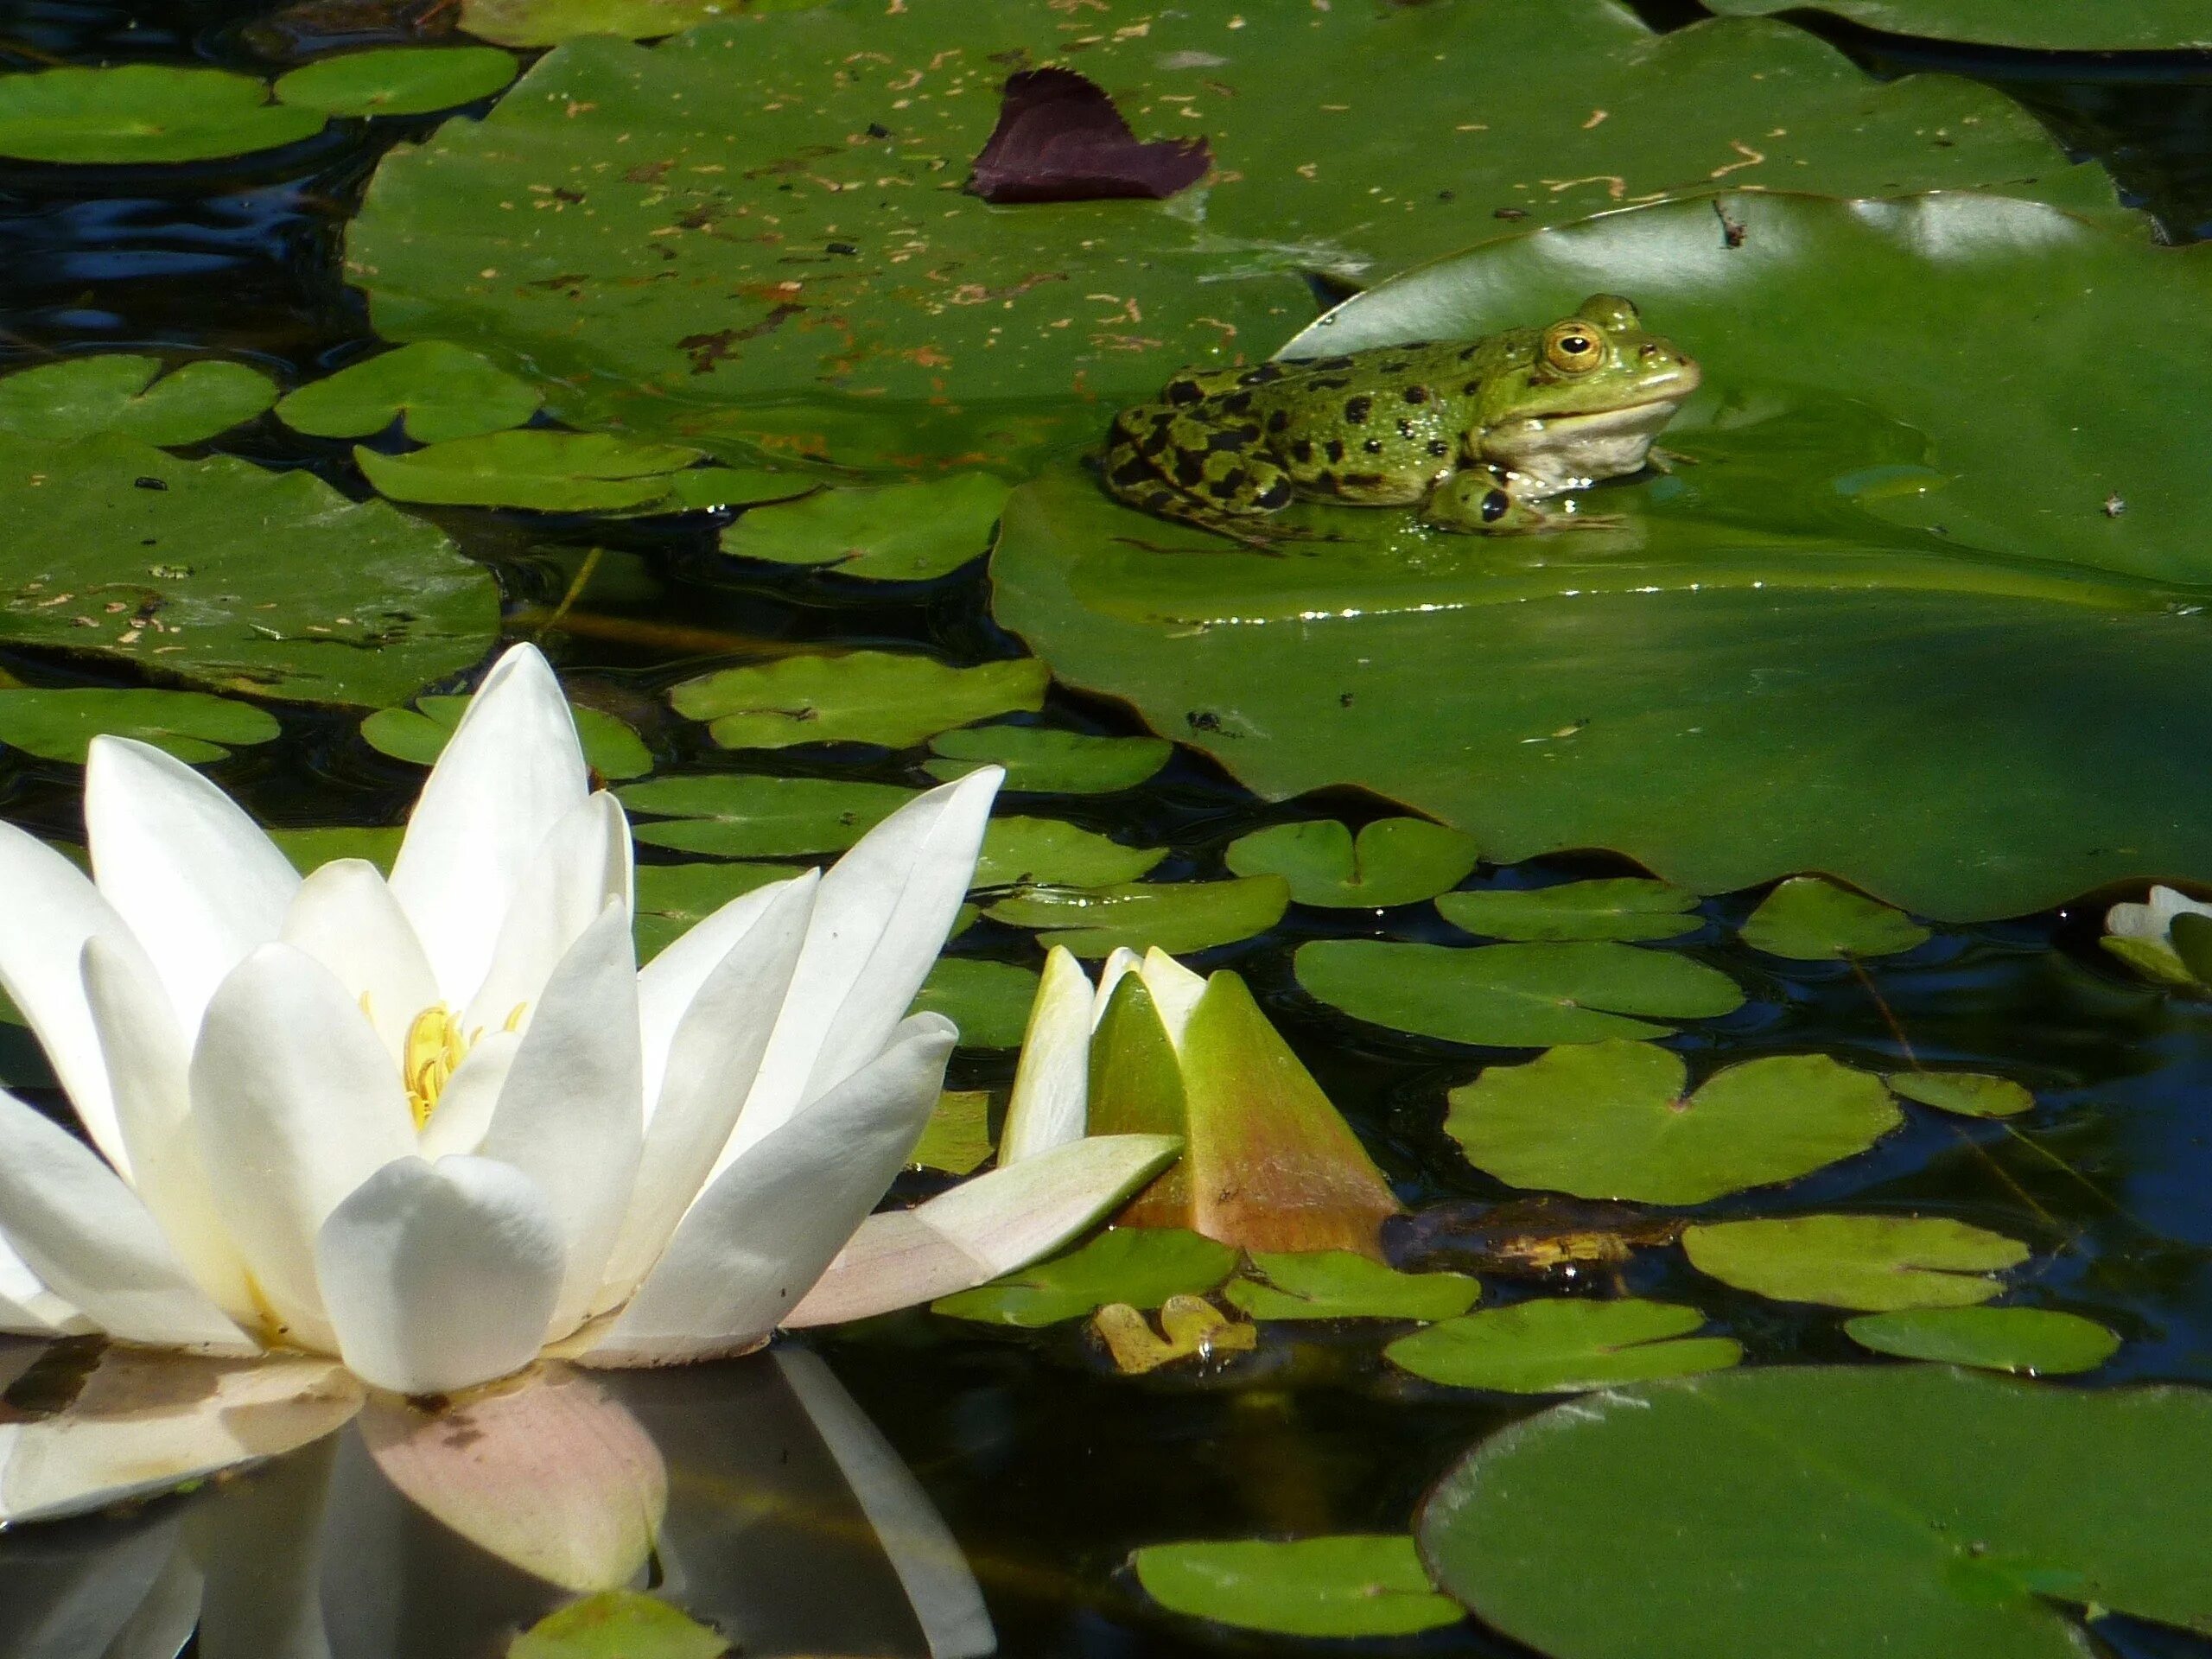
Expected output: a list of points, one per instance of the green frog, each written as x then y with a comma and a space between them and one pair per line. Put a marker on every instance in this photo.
1477, 434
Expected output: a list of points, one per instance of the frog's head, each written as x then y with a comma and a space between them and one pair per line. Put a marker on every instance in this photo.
1584, 398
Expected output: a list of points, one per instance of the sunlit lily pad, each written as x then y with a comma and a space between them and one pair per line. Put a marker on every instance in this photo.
2041, 1341
547, 22
1616, 907
1616, 1119
957, 1138
2043, 25
895, 698
117, 392
1514, 996
1190, 1329
1559, 1345
1142, 1266
1876, 1263
1177, 917
1914, 1512
741, 816
398, 80
1971, 1094
550, 472
1392, 862
988, 1001
909, 532
1045, 852
1344, 1284
57, 725
673, 897
420, 733
618, 1624
442, 390
142, 112
1355, 1585
1047, 761
1813, 920
311, 847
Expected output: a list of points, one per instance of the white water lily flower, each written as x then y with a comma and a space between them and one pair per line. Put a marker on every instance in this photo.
2153, 922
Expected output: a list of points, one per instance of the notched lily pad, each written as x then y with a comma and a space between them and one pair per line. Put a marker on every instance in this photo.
1045, 852
58, 725
398, 80
438, 391
895, 698
741, 816
1191, 1328
1392, 862
1059, 138
1349, 1585
1563, 1344
533, 467
2038, 1341
117, 392
907, 532
1876, 1263
420, 734
672, 899
1140, 1266
1614, 908
988, 1001
1049, 761
142, 112
1346, 1285
1177, 917
1970, 1094
1810, 919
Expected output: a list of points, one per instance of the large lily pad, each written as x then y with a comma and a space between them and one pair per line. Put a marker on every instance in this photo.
1561, 1344
1359, 1585
142, 112
398, 80
1880, 1263
116, 391
2045, 25
2041, 1341
1914, 1512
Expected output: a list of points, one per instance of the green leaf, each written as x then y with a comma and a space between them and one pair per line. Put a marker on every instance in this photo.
1910, 1511
909, 532
1612, 1121
547, 22
1513, 995
420, 734
205, 557
142, 112
1393, 862
116, 391
2040, 1341
988, 1001
895, 698
1877, 1262
957, 1137
1971, 1094
1048, 762
1045, 852
736, 487
1812, 920
2191, 940
310, 849
672, 899
1140, 1266
398, 80
444, 392
2043, 25
1177, 917
618, 1624
1354, 1585
740, 815
1621, 907
1344, 1284
191, 725
2153, 960
546, 471
1556, 1345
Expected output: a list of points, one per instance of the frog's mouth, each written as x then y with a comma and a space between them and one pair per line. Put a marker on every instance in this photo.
1551, 434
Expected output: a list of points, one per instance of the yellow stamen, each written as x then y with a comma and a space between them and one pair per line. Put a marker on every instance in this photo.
436, 1048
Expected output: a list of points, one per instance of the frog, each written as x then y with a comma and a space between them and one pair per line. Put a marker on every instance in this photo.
1477, 434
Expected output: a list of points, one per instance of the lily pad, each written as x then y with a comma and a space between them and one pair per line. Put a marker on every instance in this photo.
1346, 1285
895, 698
1513, 995
741, 816
312, 847
1619, 907
398, 79
1047, 761
117, 392
547, 22
1971, 1094
2041, 25
909, 532
546, 471
1912, 1511
1877, 1262
138, 112
1140, 1266
708, 487
1613, 1120
58, 725
1812, 920
1561, 1344
988, 1001
618, 1624
1045, 852
111, 547
957, 1138
1352, 1585
2040, 1341
1394, 861
438, 391
1177, 917
420, 734
674, 897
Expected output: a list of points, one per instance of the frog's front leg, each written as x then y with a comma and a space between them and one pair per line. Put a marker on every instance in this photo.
1482, 501
1191, 464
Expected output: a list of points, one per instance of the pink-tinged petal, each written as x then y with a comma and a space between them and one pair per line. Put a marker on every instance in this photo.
91, 1242
669, 984
995, 1224
195, 877
28, 1308
297, 1105
147, 1423
1052, 1086
440, 1276
582, 865
550, 1476
1175, 991
512, 771
462, 1117
345, 917
760, 1237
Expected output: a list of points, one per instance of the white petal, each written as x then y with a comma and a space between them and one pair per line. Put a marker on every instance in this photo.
91, 1242
2135, 922
583, 864
1175, 991
296, 1104
1123, 962
345, 917
28, 1308
440, 1276
193, 876
994, 1224
760, 1235
512, 771
712, 1060
1051, 1087
572, 1115
880, 919
463, 1114
669, 983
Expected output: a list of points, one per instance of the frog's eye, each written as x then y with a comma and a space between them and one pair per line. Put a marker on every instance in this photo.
1574, 346
1495, 506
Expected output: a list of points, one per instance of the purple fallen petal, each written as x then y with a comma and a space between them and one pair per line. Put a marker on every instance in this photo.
1059, 138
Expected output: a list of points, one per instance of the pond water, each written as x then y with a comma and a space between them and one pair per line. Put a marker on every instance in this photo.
1046, 1467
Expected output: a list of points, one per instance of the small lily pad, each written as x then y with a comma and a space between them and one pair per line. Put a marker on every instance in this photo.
1876, 1263
142, 112
398, 79
672, 899
1562, 1344
909, 532
549, 23
1811, 919
895, 698
533, 467
1355, 1585
1621, 907
1971, 1094
741, 816
1513, 995
420, 734
957, 1137
618, 1624
1190, 1327
1392, 862
1177, 917
1142, 1266
704, 487
314, 846
988, 1001
439, 392
1045, 852
2040, 1341
1612, 1121
1049, 761
1346, 1285
117, 392
2155, 962
58, 725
